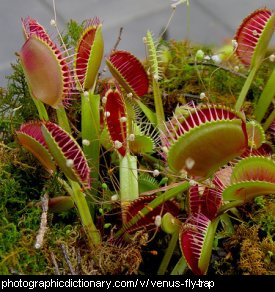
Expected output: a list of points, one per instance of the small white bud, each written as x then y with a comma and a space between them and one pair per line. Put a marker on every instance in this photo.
118, 144
156, 173
272, 58
234, 44
104, 99
216, 59
199, 55
158, 221
86, 142
236, 68
114, 198
107, 114
255, 33
131, 137
144, 39
123, 119
86, 93
53, 22
202, 95
189, 163
207, 58
130, 94
164, 149
174, 5
70, 163
192, 182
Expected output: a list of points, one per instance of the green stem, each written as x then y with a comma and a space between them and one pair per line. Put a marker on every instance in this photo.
168, 253
128, 179
245, 88
269, 120
43, 115
181, 187
180, 267
63, 119
90, 131
265, 98
78, 196
85, 215
158, 105
230, 205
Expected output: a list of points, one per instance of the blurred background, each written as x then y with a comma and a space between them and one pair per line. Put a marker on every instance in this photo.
209, 22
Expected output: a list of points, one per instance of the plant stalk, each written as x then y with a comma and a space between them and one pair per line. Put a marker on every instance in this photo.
245, 88
265, 98
269, 120
158, 105
42, 112
85, 215
90, 131
168, 253
128, 181
180, 267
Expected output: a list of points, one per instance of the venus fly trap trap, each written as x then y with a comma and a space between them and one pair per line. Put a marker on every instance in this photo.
138, 180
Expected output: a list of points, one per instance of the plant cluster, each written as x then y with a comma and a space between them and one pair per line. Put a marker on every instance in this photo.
128, 168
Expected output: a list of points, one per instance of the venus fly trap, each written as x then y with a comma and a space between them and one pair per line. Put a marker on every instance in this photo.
208, 156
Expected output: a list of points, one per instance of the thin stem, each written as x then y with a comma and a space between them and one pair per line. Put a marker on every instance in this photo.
128, 180
42, 112
265, 98
158, 105
168, 253
78, 196
230, 205
245, 88
180, 267
85, 215
269, 120
90, 131
171, 193
63, 120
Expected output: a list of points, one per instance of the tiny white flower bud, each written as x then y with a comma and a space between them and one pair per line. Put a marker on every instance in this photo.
234, 44
86, 93
156, 173
86, 142
144, 39
130, 94
255, 33
216, 59
236, 68
199, 55
131, 137
207, 58
158, 221
53, 22
189, 163
118, 144
202, 95
70, 163
123, 119
272, 58
164, 149
107, 114
114, 198
174, 5
104, 99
